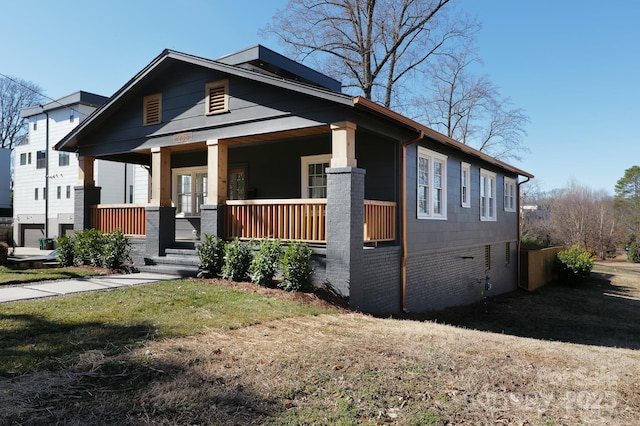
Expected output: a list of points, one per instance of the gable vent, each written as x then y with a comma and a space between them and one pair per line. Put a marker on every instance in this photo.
217, 99
152, 113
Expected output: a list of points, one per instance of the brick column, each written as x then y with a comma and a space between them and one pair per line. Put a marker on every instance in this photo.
84, 196
211, 220
345, 235
161, 229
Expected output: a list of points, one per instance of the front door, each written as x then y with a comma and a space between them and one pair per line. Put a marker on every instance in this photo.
237, 183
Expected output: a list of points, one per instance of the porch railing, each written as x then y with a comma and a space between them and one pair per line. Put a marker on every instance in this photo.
129, 218
302, 220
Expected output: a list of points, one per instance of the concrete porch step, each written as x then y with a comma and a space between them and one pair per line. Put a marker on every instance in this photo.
184, 271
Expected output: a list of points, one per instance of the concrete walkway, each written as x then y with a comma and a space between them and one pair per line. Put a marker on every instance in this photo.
12, 293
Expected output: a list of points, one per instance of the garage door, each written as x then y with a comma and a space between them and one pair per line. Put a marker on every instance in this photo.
31, 234
66, 229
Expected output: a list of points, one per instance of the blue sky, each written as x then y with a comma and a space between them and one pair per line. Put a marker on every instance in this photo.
571, 65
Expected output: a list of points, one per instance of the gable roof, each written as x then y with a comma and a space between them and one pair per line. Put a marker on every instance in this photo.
69, 142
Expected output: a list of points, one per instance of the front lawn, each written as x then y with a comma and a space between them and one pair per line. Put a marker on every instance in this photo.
55, 333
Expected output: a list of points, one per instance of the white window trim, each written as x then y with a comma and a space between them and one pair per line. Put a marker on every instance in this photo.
483, 217
304, 170
174, 187
465, 182
509, 206
431, 156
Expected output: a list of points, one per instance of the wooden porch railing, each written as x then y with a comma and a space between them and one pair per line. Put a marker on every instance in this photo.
290, 219
129, 218
379, 221
302, 220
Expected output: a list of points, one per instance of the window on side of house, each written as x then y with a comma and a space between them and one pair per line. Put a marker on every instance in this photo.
190, 190
23, 159
41, 159
509, 194
314, 175
35, 194
29, 158
63, 159
432, 185
59, 192
68, 191
487, 195
152, 109
35, 124
44, 193
465, 185
217, 97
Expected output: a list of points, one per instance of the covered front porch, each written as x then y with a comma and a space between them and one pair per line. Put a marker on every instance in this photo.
299, 185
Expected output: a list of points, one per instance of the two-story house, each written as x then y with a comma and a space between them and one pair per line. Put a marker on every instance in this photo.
44, 179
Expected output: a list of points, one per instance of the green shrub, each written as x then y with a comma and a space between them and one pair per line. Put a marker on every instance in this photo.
89, 245
211, 254
116, 252
265, 262
66, 250
296, 268
4, 253
574, 264
633, 255
237, 261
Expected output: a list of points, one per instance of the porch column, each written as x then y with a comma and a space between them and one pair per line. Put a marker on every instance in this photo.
345, 230
345, 213
161, 216
343, 144
85, 194
212, 212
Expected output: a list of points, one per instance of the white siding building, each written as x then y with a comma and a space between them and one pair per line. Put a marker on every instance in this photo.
44, 179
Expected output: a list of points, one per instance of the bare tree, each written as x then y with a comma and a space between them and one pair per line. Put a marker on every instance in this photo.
581, 216
469, 108
371, 45
15, 94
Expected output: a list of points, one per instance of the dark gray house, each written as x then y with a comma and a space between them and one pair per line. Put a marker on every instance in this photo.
255, 145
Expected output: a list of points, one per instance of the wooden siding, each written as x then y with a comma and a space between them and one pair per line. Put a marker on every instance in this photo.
128, 218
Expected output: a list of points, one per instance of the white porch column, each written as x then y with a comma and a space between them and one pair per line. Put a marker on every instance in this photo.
160, 177
343, 144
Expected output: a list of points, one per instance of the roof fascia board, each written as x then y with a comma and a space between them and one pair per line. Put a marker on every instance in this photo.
432, 134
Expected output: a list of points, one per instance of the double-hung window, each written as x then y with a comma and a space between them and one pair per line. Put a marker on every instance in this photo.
432, 185
314, 175
41, 159
465, 184
487, 195
509, 194
190, 190
63, 158
23, 159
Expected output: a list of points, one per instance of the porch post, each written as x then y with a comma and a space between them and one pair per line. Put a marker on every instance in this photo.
345, 215
85, 194
212, 212
161, 216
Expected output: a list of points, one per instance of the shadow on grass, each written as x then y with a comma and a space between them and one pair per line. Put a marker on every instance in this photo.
594, 312
144, 391
29, 342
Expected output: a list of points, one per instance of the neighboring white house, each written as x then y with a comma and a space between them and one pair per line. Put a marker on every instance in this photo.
44, 179
5, 178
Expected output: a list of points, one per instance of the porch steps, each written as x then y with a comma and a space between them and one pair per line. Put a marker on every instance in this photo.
182, 261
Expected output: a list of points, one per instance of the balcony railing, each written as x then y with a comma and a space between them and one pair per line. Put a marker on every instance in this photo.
131, 219
302, 220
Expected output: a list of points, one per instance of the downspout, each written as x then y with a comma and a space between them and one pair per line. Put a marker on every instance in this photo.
403, 219
519, 240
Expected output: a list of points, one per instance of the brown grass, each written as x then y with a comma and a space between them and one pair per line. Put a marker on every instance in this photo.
349, 368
